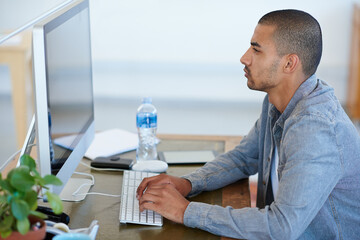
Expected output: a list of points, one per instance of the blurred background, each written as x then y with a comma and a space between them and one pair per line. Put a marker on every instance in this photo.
183, 54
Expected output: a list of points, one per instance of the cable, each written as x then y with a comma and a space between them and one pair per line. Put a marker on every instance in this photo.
92, 183
79, 173
12, 157
97, 193
88, 175
84, 184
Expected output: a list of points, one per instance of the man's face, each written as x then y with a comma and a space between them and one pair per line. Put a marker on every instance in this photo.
261, 60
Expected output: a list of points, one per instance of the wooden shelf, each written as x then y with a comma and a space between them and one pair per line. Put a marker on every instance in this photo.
353, 96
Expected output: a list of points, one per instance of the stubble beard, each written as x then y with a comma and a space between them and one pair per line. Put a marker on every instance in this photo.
268, 82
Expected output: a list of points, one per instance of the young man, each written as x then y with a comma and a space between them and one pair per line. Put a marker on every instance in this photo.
304, 148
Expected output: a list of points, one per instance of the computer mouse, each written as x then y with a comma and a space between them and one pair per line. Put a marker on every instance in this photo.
150, 166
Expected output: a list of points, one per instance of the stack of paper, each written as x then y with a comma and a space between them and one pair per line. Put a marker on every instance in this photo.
111, 142
106, 143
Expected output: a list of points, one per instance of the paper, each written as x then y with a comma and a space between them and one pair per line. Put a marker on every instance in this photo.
106, 143
111, 142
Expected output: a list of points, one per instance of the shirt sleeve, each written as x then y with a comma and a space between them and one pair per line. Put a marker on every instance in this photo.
308, 174
227, 168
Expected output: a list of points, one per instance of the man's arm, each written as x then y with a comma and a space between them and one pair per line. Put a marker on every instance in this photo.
309, 172
310, 167
166, 194
241, 162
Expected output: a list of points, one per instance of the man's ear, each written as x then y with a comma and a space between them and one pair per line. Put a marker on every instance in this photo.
292, 62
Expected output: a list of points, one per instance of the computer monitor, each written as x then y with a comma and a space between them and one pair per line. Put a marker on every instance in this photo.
62, 68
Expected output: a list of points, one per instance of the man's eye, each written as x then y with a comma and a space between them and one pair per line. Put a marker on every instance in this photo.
255, 50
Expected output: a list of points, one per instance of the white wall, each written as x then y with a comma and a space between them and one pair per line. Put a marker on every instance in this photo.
15, 13
189, 49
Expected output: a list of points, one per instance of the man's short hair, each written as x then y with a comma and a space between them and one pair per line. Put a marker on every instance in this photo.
299, 33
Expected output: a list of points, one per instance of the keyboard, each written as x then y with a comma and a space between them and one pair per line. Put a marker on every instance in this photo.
129, 206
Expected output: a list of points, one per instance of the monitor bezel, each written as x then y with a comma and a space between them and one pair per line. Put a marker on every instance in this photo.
41, 98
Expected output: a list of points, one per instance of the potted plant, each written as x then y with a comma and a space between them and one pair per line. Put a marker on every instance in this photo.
19, 192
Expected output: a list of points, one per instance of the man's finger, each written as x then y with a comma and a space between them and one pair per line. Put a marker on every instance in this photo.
147, 182
142, 186
152, 198
149, 206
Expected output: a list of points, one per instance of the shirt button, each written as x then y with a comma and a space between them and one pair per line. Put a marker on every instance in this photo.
264, 182
268, 159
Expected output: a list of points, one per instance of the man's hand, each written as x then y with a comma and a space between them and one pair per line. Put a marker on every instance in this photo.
165, 200
182, 185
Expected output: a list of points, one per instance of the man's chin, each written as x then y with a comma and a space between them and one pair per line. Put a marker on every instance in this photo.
251, 85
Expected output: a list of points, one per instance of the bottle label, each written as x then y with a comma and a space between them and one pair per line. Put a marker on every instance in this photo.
146, 120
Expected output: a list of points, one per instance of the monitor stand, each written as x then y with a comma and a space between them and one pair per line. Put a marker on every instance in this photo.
67, 194
72, 185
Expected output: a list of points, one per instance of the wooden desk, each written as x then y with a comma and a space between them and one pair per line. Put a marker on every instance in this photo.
106, 209
18, 58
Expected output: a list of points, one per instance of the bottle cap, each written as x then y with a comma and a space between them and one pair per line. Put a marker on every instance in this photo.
147, 100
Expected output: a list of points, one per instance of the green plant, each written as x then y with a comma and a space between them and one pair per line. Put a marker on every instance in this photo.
18, 196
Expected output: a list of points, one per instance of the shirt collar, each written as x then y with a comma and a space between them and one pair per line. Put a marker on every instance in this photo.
304, 90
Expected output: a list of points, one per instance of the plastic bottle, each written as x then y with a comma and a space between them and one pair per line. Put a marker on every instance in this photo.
146, 122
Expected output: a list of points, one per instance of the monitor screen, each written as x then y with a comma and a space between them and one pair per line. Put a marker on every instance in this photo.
63, 89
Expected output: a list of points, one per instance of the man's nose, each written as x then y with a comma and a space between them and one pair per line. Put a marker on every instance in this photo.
245, 59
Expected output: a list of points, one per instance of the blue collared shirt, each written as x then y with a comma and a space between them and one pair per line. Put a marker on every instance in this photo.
318, 194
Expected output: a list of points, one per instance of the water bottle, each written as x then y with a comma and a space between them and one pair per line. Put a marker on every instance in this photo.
146, 122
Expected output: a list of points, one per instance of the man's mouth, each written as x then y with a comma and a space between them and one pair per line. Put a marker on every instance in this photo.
247, 71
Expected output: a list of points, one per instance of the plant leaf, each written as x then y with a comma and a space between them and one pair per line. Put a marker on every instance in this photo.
19, 209
21, 179
10, 173
36, 173
3, 199
52, 180
40, 181
5, 224
5, 234
31, 199
28, 161
5, 184
55, 202
23, 226
38, 214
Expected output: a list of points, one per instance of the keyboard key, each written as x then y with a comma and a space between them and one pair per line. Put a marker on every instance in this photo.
136, 217
123, 213
150, 216
129, 216
143, 216
157, 219
131, 182
132, 191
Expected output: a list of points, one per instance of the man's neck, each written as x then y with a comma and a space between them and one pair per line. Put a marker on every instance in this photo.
281, 96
